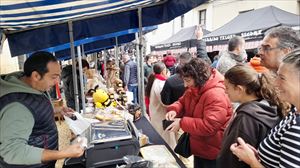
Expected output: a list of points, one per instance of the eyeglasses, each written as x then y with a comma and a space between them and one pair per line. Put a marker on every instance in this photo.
266, 49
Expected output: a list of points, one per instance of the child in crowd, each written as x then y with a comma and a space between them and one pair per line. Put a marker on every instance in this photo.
259, 111
281, 147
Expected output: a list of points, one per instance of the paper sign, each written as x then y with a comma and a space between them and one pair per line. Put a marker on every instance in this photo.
79, 125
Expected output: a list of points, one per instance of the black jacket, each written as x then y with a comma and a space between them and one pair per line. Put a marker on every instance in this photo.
172, 90
68, 87
201, 51
252, 122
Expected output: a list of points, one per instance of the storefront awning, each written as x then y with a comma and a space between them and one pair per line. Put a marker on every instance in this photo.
251, 25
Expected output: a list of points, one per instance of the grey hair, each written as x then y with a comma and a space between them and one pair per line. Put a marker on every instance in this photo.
293, 58
287, 37
234, 42
187, 56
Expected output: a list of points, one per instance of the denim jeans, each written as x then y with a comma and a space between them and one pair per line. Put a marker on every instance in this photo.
134, 90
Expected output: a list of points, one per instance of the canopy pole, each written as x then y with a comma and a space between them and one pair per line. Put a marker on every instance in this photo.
70, 25
95, 57
141, 63
2, 39
104, 61
81, 79
138, 68
83, 52
117, 52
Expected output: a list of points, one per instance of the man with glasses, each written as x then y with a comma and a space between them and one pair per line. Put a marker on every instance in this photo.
277, 42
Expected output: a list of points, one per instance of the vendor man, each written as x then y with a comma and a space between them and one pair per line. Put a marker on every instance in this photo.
28, 134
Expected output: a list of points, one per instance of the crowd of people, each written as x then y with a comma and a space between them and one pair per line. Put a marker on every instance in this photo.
236, 113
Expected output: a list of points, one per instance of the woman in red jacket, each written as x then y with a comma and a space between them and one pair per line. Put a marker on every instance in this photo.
203, 111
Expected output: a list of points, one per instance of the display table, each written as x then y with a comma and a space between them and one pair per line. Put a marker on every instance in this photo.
154, 138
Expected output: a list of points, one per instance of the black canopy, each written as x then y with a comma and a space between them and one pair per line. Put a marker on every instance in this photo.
185, 38
251, 25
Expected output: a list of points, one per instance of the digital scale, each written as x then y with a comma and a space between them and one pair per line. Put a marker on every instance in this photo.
108, 143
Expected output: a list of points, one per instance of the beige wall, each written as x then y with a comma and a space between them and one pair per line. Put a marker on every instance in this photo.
226, 10
7, 63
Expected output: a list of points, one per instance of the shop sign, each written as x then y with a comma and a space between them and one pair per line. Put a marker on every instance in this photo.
251, 33
246, 35
209, 39
162, 46
176, 44
170, 45
227, 37
223, 37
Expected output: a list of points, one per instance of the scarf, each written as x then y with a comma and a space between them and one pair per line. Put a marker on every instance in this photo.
160, 77
147, 99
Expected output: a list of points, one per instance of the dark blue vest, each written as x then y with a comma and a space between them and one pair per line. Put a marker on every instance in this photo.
44, 133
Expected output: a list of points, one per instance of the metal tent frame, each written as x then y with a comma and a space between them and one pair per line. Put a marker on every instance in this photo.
164, 10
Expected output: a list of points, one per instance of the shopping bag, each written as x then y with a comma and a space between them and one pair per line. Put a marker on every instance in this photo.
183, 146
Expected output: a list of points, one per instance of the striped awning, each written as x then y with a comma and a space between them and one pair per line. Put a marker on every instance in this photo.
33, 25
96, 44
20, 14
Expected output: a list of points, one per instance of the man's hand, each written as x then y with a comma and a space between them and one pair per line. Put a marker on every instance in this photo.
199, 33
73, 151
67, 111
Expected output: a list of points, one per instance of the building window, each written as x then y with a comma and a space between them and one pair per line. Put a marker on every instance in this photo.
182, 21
202, 17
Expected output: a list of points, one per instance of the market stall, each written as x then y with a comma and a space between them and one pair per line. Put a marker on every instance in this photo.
154, 138
251, 25
115, 129
181, 41
36, 25
45, 24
